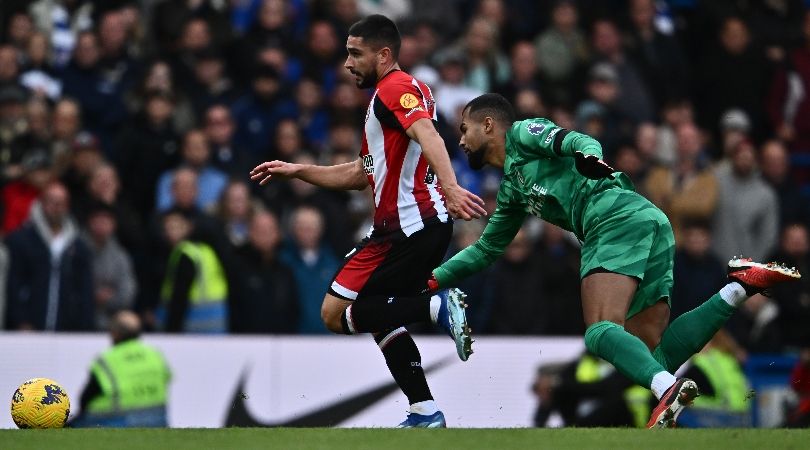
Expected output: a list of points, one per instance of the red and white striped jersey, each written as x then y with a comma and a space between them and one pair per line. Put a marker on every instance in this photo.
407, 194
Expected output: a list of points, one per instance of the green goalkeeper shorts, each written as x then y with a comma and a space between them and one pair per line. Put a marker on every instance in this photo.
625, 233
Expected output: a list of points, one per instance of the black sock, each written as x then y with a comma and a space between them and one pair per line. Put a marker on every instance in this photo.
375, 314
405, 363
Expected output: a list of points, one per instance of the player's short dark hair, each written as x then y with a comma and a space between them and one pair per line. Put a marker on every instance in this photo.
378, 31
492, 105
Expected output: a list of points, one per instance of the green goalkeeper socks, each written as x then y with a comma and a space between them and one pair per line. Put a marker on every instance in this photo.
690, 332
626, 352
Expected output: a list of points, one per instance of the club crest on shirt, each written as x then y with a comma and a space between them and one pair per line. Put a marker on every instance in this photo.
408, 101
535, 128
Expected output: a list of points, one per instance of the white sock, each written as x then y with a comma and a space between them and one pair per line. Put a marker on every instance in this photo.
424, 408
661, 382
733, 294
435, 304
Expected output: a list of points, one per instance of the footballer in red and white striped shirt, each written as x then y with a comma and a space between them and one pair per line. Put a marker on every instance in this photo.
378, 289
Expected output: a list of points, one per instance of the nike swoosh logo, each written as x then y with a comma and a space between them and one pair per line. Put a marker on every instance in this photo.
328, 416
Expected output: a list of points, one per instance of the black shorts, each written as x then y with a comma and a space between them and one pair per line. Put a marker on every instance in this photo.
392, 266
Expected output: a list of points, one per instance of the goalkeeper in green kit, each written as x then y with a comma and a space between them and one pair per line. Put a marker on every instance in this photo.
627, 248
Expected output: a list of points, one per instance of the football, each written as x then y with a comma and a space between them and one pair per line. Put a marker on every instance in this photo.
40, 403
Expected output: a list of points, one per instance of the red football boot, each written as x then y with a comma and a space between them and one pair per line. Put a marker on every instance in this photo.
756, 277
672, 403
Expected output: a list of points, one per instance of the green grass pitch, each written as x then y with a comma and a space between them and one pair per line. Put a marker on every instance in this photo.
391, 439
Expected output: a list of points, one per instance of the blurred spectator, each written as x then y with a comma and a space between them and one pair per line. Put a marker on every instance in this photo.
313, 263
19, 195
451, 93
774, 161
344, 13
735, 127
529, 104
659, 56
62, 21
12, 121
160, 77
789, 97
211, 84
628, 161
19, 29
520, 308
344, 138
114, 283
724, 388
50, 277
129, 383
84, 157
561, 51
146, 148
9, 66
170, 19
288, 141
104, 188
120, 69
194, 292
698, 273
747, 216
196, 156
674, 114
589, 392
800, 383
525, 73
689, 190
601, 115
66, 123
225, 155
97, 87
273, 27
634, 98
37, 74
793, 299
322, 53
348, 103
646, 144
720, 86
38, 121
265, 297
312, 116
257, 113
487, 66
235, 209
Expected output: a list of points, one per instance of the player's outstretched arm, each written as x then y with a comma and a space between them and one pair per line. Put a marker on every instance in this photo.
347, 176
499, 232
461, 203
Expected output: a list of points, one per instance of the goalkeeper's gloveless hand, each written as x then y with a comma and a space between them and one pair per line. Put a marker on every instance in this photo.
592, 167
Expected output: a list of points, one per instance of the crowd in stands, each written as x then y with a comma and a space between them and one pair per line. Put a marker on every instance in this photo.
128, 128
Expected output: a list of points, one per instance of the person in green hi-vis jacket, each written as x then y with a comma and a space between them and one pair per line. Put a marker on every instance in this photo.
627, 248
129, 382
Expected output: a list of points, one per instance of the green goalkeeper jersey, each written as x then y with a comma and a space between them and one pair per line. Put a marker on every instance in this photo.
540, 178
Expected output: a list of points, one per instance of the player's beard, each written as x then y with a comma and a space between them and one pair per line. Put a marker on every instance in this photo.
367, 80
476, 159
